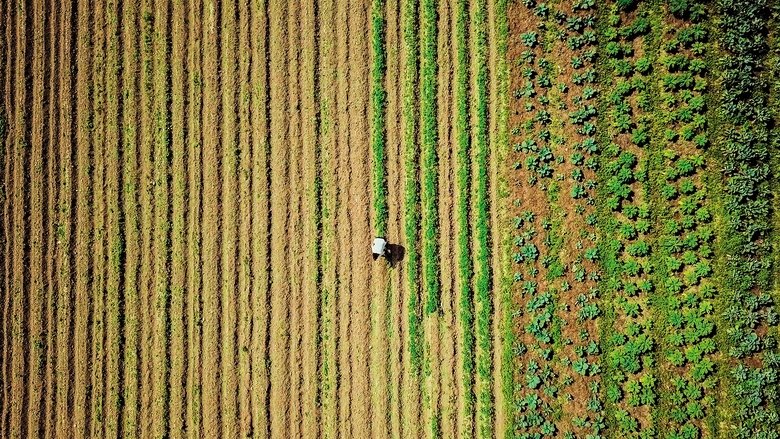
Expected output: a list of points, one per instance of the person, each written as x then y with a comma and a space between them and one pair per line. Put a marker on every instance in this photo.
379, 248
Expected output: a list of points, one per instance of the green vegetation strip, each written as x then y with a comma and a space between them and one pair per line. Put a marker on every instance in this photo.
412, 194
482, 274
430, 162
462, 195
378, 103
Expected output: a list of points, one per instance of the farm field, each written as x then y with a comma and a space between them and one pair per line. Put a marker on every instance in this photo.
579, 197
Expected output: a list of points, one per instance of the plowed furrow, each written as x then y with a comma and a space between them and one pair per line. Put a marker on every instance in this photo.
280, 223
343, 223
98, 212
83, 232
212, 188
180, 114
66, 224
37, 215
329, 256
194, 411
161, 235
359, 214
130, 198
244, 324
261, 221
50, 222
294, 228
309, 191
229, 173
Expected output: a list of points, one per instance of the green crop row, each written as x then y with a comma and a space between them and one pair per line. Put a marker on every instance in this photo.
429, 144
685, 235
378, 103
482, 267
412, 195
745, 153
462, 197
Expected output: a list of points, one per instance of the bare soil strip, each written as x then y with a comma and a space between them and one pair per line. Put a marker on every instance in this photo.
194, 412
50, 221
98, 213
131, 187
228, 215
343, 223
260, 224
395, 312
294, 228
66, 198
147, 221
359, 214
82, 401
244, 325
310, 217
329, 257
212, 422
36, 348
115, 244
280, 197
162, 219
179, 193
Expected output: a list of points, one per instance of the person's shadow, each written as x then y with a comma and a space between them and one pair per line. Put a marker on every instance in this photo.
395, 254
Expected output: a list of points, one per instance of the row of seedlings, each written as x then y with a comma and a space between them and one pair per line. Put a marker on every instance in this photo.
686, 233
626, 223
555, 240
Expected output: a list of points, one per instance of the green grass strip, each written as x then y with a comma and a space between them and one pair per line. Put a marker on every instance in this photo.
462, 196
412, 194
482, 274
378, 104
430, 161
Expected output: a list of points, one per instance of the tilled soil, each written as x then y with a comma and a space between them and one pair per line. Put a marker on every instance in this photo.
186, 213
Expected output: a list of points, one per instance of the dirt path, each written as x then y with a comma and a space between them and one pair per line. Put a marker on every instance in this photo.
6, 90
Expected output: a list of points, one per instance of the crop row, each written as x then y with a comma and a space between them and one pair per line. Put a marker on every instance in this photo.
462, 197
627, 246
412, 194
555, 238
744, 148
685, 233
378, 103
481, 212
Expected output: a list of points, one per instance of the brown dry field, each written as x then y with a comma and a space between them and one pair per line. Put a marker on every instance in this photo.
186, 216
